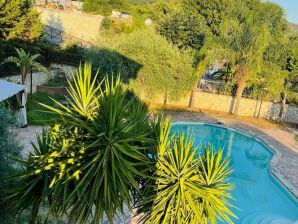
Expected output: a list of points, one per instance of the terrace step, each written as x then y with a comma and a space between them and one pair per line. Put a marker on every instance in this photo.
259, 218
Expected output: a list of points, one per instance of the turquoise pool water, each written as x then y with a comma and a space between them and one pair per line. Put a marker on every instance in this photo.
261, 199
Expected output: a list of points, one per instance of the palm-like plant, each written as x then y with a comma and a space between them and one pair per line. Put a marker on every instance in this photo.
189, 188
106, 153
30, 187
111, 154
25, 62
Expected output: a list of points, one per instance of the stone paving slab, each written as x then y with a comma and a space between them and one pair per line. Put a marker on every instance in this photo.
27, 136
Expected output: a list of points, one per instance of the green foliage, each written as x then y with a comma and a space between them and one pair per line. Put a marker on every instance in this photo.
18, 20
146, 61
57, 82
110, 151
158, 9
213, 11
183, 30
25, 62
296, 138
106, 23
103, 153
8, 146
283, 56
188, 187
28, 189
36, 114
104, 7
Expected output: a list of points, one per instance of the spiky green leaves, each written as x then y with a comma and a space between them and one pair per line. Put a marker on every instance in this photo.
115, 133
189, 187
106, 154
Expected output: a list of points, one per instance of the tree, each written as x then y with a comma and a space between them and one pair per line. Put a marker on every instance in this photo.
25, 62
147, 63
284, 57
235, 32
19, 20
242, 38
186, 31
104, 7
104, 151
214, 11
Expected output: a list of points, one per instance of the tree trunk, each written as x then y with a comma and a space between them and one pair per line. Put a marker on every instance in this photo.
34, 212
240, 89
23, 79
71, 219
191, 99
283, 106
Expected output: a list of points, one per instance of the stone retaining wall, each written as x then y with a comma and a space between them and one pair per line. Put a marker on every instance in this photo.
40, 78
82, 26
52, 90
226, 103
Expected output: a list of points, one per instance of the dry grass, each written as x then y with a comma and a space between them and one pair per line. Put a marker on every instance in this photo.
259, 122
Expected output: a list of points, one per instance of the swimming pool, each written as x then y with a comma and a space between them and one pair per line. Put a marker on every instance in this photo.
260, 198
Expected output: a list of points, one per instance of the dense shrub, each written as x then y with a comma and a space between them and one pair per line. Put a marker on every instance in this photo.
104, 7
146, 61
19, 20
8, 144
183, 30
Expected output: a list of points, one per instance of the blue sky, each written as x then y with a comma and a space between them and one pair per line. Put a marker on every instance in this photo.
291, 8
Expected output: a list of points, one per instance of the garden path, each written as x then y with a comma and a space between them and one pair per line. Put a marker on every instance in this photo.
27, 136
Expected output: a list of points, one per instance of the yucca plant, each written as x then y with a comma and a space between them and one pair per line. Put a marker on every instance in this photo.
110, 155
189, 187
106, 153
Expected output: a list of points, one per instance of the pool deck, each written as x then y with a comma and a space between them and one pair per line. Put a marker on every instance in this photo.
284, 164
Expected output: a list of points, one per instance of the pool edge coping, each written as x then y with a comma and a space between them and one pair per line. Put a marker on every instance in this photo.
277, 155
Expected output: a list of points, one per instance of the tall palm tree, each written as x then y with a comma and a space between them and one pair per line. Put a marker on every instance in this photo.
242, 42
25, 62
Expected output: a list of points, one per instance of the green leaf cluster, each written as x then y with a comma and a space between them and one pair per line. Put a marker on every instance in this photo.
189, 186
18, 20
146, 62
105, 153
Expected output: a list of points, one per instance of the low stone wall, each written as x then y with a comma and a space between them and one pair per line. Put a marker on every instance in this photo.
40, 78
82, 26
52, 90
226, 103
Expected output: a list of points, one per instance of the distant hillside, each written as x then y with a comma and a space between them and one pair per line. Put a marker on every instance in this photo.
294, 28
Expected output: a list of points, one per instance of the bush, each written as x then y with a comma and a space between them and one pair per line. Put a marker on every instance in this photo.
8, 148
104, 7
106, 23
146, 61
292, 98
36, 113
8, 144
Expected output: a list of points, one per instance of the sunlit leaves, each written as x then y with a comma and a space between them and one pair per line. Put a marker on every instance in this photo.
189, 187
